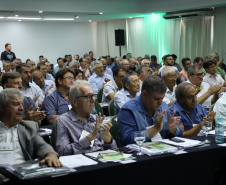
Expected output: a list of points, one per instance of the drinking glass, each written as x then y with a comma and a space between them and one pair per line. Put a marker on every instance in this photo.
139, 138
206, 127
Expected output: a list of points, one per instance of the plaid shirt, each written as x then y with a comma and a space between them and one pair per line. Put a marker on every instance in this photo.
67, 130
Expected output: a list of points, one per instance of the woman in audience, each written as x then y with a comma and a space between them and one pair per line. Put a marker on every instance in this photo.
78, 74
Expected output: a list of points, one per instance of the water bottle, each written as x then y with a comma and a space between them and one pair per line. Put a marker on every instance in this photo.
94, 112
219, 131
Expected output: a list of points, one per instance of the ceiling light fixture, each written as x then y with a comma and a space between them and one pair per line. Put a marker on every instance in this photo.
57, 19
130, 17
24, 18
77, 17
40, 11
16, 15
19, 20
90, 20
101, 13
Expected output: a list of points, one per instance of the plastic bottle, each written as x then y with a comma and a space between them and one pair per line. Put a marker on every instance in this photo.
219, 131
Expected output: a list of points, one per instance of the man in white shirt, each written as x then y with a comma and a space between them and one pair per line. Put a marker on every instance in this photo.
169, 76
22, 136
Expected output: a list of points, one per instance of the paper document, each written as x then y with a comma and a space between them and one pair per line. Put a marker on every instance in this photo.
73, 161
188, 142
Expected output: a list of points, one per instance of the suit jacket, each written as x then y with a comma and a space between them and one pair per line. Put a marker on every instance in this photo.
32, 144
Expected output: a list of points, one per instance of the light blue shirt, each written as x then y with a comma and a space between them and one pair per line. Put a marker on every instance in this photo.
49, 77
48, 84
121, 97
133, 117
97, 82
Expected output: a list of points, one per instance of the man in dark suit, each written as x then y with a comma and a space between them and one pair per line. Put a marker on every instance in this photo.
22, 135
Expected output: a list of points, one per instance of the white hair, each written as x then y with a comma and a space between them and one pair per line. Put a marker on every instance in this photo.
74, 89
142, 62
95, 63
168, 69
73, 63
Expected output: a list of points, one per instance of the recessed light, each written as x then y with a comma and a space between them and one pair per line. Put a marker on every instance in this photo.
77, 17
57, 19
16, 15
101, 13
90, 20
130, 17
19, 20
40, 11
23, 18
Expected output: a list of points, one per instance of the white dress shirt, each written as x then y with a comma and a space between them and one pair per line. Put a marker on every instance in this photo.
10, 136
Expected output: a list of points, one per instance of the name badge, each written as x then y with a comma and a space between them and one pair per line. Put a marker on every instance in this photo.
6, 154
69, 107
157, 137
84, 134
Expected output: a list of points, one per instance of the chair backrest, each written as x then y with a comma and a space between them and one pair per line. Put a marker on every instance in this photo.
115, 130
98, 108
99, 95
111, 108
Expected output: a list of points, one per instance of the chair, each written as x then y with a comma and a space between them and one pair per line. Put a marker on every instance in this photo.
115, 130
99, 95
98, 108
111, 108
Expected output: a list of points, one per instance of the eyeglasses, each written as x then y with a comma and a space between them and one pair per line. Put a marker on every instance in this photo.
88, 97
199, 74
173, 76
69, 78
212, 66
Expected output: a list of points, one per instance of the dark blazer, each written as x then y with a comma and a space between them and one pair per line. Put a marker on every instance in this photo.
32, 144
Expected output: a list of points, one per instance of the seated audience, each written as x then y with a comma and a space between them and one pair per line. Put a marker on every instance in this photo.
109, 62
85, 67
32, 64
6, 67
76, 57
169, 76
60, 65
42, 67
17, 62
27, 143
143, 72
198, 61
13, 80
186, 62
112, 87
131, 89
132, 64
192, 114
145, 62
57, 103
118, 60
98, 79
74, 65
30, 89
79, 75
49, 69
206, 94
176, 64
154, 65
78, 131
212, 78
147, 113
220, 108
125, 65
47, 86
106, 70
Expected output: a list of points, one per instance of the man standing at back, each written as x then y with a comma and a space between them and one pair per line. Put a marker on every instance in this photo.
7, 55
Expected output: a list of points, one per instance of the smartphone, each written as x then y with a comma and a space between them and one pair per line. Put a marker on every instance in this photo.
176, 140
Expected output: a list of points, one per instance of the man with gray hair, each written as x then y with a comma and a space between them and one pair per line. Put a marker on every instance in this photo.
74, 65
25, 141
125, 65
6, 67
98, 79
132, 64
143, 72
192, 113
130, 90
78, 131
117, 60
169, 76
145, 62
147, 113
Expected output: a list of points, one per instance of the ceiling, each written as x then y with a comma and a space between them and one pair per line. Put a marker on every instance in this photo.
90, 9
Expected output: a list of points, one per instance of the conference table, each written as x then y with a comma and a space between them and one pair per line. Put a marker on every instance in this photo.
199, 165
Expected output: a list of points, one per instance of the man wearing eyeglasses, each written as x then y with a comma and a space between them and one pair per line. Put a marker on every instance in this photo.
78, 131
206, 94
57, 103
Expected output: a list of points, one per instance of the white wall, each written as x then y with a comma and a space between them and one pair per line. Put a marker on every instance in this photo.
51, 39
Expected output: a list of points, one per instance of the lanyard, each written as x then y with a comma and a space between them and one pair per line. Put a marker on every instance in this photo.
191, 119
